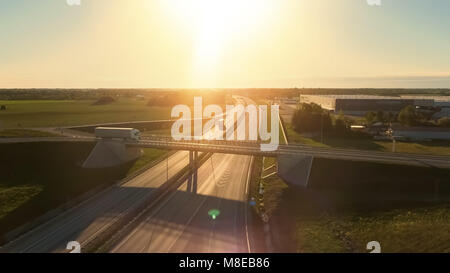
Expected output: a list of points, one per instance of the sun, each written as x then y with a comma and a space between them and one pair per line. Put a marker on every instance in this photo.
216, 24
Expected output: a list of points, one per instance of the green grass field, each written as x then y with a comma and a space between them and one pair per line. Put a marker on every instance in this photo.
428, 147
352, 203
55, 113
423, 229
12, 197
37, 177
24, 133
160, 132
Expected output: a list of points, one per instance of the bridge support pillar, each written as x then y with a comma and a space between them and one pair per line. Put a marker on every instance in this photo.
294, 169
193, 159
193, 163
110, 153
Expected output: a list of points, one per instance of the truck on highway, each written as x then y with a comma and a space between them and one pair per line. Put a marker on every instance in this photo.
122, 133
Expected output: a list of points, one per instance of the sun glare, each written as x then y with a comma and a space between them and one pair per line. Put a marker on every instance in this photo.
217, 23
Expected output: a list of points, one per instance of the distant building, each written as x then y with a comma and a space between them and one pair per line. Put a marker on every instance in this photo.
420, 133
359, 105
441, 102
290, 100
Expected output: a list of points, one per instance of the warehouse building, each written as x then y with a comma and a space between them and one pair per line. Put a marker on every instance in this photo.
419, 133
441, 102
359, 105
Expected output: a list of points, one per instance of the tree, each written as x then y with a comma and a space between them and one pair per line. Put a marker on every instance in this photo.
407, 116
340, 126
104, 100
380, 116
311, 118
390, 117
327, 122
370, 117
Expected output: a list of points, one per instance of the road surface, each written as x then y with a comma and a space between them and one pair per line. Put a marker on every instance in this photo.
84, 222
183, 223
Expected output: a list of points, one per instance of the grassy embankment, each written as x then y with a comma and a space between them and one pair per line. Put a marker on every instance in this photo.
162, 132
12, 133
37, 177
56, 113
149, 155
349, 204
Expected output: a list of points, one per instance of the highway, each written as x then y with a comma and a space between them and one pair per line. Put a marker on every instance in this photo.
83, 222
182, 223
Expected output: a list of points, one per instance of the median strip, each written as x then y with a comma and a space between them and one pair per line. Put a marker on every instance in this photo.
106, 239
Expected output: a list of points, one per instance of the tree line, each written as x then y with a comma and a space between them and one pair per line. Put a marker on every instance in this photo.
408, 116
312, 118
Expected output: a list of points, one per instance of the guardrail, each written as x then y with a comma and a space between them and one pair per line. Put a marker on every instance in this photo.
124, 225
253, 148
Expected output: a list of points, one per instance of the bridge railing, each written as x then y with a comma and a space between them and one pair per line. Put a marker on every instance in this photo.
203, 141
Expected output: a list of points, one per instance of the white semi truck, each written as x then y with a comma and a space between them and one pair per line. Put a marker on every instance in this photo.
123, 133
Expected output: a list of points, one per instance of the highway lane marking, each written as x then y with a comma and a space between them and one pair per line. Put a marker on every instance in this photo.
196, 213
221, 192
129, 208
150, 218
130, 198
135, 196
55, 219
181, 232
193, 215
57, 231
213, 228
103, 203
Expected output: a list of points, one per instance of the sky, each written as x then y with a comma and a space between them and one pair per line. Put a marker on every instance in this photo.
224, 44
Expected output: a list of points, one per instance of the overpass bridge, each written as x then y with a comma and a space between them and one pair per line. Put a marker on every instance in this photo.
253, 148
